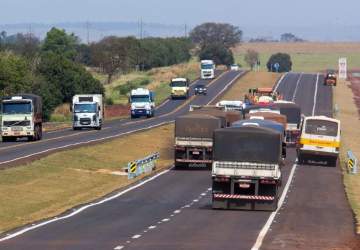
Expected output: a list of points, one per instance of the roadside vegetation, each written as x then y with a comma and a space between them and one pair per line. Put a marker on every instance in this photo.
350, 140
305, 56
50, 186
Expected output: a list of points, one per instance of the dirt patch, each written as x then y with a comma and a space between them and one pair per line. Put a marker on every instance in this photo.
250, 80
306, 47
116, 110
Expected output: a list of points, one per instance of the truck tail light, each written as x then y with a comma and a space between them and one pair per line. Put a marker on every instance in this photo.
222, 179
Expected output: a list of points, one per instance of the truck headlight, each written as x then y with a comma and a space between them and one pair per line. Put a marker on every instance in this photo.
4, 128
94, 118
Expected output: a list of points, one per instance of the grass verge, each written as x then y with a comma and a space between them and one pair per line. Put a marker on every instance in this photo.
250, 80
156, 79
307, 56
350, 140
52, 185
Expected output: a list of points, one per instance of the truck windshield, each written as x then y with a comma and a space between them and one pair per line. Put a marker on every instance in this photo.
321, 127
16, 107
178, 84
140, 98
85, 108
207, 66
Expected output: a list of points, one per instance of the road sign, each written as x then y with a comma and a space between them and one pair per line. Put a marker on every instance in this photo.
277, 67
145, 165
343, 68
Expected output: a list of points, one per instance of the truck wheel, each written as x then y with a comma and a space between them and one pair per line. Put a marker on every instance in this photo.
98, 128
40, 132
5, 139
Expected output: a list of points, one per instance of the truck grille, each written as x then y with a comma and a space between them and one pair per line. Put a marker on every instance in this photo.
85, 121
16, 123
246, 165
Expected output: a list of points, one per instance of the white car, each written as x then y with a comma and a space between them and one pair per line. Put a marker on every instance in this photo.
234, 67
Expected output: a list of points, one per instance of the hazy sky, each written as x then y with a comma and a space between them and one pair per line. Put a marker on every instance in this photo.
239, 12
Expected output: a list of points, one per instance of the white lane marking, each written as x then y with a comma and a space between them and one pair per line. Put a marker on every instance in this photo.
203, 194
315, 94
209, 189
280, 80
297, 86
85, 142
81, 209
136, 236
270, 220
195, 200
152, 227
177, 211
166, 220
226, 86
118, 247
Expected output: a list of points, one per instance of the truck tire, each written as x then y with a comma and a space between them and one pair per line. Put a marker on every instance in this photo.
98, 128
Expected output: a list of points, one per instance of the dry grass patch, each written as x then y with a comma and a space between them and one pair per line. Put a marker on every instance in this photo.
250, 80
52, 185
307, 56
350, 139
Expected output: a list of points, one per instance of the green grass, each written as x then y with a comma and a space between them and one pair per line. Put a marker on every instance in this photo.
162, 92
58, 182
310, 62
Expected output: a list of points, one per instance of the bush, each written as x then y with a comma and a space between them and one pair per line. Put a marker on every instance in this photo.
218, 53
136, 83
283, 59
109, 101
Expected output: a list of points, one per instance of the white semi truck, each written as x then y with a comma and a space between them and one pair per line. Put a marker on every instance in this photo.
21, 117
207, 69
88, 111
142, 103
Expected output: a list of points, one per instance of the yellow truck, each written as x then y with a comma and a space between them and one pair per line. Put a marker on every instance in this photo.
179, 88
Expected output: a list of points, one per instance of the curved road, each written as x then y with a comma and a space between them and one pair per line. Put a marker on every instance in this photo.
172, 210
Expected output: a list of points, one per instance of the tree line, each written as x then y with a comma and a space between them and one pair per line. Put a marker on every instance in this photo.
55, 68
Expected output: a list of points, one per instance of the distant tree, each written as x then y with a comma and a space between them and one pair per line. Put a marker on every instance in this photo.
223, 34
83, 54
218, 53
113, 54
289, 37
15, 75
284, 61
59, 42
251, 58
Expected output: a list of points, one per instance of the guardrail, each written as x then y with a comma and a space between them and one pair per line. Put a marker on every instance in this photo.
352, 163
142, 166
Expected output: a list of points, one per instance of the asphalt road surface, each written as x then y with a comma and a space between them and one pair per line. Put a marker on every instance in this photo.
14, 153
173, 209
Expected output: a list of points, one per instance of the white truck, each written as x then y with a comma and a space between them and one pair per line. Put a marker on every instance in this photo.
207, 69
21, 117
88, 111
142, 103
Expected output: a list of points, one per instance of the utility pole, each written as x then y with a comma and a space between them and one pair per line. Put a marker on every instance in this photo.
88, 32
185, 29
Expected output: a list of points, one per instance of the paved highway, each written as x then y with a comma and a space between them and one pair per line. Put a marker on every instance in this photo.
22, 151
173, 209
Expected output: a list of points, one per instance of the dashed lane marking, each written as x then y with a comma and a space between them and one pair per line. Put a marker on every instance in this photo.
271, 218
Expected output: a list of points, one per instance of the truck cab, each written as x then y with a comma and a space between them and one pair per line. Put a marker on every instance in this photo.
207, 69
179, 88
88, 111
21, 117
142, 103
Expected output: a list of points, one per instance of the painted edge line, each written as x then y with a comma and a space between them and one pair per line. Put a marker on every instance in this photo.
297, 87
315, 94
227, 86
85, 142
81, 209
280, 80
270, 220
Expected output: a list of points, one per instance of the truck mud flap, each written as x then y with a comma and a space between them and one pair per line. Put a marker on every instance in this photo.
245, 204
